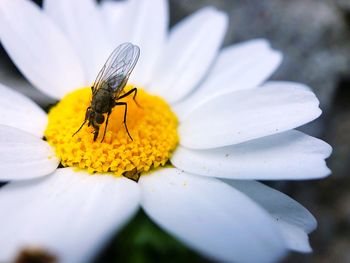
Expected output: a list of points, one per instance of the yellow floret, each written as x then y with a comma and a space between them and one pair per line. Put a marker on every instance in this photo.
153, 127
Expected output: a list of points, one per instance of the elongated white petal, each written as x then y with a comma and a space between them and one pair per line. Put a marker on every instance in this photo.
192, 46
118, 19
70, 214
38, 48
211, 217
83, 25
149, 30
296, 238
294, 220
24, 156
144, 23
113, 13
290, 84
248, 114
289, 155
19, 111
241, 66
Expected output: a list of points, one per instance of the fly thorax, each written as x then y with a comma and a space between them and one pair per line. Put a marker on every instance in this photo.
102, 101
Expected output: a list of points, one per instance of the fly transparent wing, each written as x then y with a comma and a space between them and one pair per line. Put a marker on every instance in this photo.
118, 67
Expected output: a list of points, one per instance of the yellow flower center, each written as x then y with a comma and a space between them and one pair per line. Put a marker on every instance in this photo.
152, 126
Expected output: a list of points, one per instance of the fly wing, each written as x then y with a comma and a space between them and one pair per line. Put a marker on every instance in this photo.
118, 67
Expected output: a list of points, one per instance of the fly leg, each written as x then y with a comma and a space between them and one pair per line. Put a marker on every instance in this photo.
87, 116
133, 90
125, 112
96, 130
104, 133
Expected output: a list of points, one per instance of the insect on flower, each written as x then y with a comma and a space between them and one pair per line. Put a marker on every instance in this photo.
108, 88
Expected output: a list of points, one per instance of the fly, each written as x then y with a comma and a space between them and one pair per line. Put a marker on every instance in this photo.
108, 88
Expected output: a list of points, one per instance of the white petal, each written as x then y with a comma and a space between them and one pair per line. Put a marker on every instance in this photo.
24, 156
71, 214
248, 114
211, 217
192, 46
241, 66
290, 84
19, 111
289, 155
149, 31
114, 14
82, 22
295, 237
118, 18
38, 48
294, 220
144, 23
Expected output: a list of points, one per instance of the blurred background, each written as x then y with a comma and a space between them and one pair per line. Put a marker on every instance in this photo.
314, 36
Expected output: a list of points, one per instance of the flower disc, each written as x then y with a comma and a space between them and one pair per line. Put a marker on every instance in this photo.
152, 125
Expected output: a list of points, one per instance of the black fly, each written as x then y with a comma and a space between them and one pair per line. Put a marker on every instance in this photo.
109, 85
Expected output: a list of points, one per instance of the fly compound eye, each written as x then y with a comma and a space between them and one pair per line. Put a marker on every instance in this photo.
99, 118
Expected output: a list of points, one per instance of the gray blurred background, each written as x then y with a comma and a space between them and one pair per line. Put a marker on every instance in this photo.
314, 36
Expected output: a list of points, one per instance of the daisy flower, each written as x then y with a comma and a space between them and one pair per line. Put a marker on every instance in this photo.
209, 126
